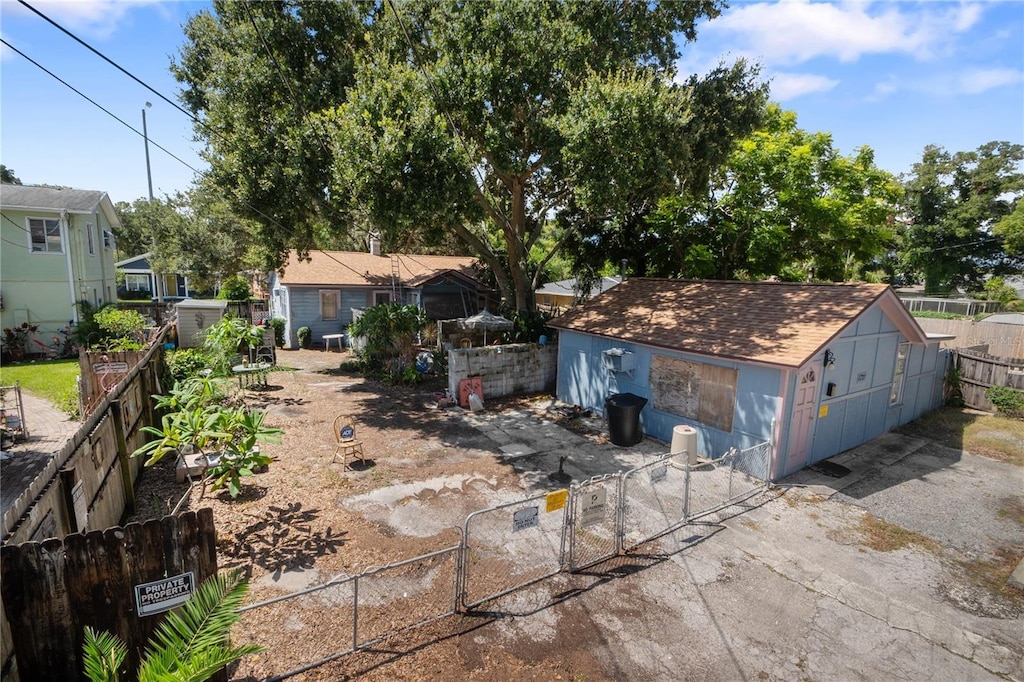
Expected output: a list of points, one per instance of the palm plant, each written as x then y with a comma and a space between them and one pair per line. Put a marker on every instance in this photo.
191, 643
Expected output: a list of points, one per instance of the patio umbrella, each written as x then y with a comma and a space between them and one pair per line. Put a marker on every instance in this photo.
487, 320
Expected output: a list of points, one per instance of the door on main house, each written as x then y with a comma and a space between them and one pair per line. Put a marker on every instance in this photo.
801, 428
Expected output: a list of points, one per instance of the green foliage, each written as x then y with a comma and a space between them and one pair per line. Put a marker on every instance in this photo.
953, 204
194, 234
390, 332
195, 421
7, 176
996, 289
1008, 401
190, 644
305, 337
241, 455
784, 203
226, 338
120, 329
186, 363
278, 324
529, 326
67, 402
235, 288
361, 141
87, 331
936, 315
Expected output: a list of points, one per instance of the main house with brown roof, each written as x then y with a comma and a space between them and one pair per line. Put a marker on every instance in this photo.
326, 290
814, 368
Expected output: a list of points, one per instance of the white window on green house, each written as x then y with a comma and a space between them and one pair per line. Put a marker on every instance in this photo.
896, 397
91, 238
328, 304
45, 235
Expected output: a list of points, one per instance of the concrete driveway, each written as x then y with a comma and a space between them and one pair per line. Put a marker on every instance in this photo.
785, 586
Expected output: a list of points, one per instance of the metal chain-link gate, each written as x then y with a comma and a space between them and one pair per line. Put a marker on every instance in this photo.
594, 521
512, 545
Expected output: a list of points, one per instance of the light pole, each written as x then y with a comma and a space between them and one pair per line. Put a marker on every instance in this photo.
145, 139
158, 284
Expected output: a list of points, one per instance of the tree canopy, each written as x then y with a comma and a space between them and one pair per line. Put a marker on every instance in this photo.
426, 118
784, 203
963, 216
195, 233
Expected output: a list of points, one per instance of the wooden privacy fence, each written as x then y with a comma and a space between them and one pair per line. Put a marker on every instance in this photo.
105, 579
979, 371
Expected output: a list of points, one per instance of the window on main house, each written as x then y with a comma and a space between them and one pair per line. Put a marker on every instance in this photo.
328, 304
381, 297
45, 234
898, 374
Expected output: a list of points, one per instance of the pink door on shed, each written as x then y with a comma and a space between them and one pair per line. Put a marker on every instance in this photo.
801, 428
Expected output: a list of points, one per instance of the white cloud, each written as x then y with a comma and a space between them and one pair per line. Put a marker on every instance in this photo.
787, 86
954, 83
972, 81
797, 31
97, 19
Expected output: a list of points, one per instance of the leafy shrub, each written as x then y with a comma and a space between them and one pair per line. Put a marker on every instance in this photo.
227, 337
305, 337
390, 331
120, 329
1008, 401
529, 326
235, 288
278, 324
186, 363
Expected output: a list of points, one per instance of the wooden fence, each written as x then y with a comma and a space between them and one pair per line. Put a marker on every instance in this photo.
1003, 340
90, 482
105, 579
979, 371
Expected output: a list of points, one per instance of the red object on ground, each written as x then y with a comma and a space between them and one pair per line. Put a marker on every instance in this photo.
467, 386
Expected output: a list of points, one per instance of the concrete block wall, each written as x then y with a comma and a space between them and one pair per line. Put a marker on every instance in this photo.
511, 369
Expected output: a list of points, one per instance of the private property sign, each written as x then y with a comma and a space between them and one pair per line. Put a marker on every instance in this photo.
163, 595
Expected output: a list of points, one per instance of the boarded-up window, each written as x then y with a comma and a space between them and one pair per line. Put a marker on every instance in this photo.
328, 304
703, 393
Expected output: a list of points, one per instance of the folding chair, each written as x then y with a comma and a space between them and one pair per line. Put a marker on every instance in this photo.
346, 443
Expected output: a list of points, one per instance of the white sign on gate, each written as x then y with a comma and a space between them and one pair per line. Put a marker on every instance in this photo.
525, 518
593, 506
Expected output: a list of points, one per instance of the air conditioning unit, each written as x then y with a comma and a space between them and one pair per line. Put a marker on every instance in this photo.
619, 360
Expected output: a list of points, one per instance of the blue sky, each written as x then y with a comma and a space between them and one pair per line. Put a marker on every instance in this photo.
891, 75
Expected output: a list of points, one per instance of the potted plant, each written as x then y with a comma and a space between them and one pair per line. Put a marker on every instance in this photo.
240, 452
16, 339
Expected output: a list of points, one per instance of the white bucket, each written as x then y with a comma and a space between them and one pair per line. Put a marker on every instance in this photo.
684, 437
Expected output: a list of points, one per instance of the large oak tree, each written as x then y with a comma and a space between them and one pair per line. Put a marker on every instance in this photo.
424, 118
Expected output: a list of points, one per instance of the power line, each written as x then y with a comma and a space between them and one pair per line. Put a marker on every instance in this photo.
97, 105
108, 60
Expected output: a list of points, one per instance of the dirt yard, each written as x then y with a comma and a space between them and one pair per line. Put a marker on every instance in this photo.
308, 519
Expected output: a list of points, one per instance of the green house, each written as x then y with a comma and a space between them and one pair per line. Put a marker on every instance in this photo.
57, 248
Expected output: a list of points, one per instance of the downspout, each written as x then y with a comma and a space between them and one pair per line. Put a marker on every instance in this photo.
102, 252
66, 241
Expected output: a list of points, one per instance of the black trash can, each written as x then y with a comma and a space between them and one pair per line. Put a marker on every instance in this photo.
623, 411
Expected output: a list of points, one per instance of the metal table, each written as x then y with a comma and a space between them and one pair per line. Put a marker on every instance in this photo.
252, 373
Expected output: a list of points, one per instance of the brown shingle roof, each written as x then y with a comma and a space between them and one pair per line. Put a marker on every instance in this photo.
354, 268
771, 322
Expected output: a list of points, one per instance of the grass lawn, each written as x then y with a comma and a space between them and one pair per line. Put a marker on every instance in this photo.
53, 380
988, 435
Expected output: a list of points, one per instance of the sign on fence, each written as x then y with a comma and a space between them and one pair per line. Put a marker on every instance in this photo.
163, 595
593, 507
525, 518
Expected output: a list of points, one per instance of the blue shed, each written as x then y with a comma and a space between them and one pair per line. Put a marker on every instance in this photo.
814, 368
